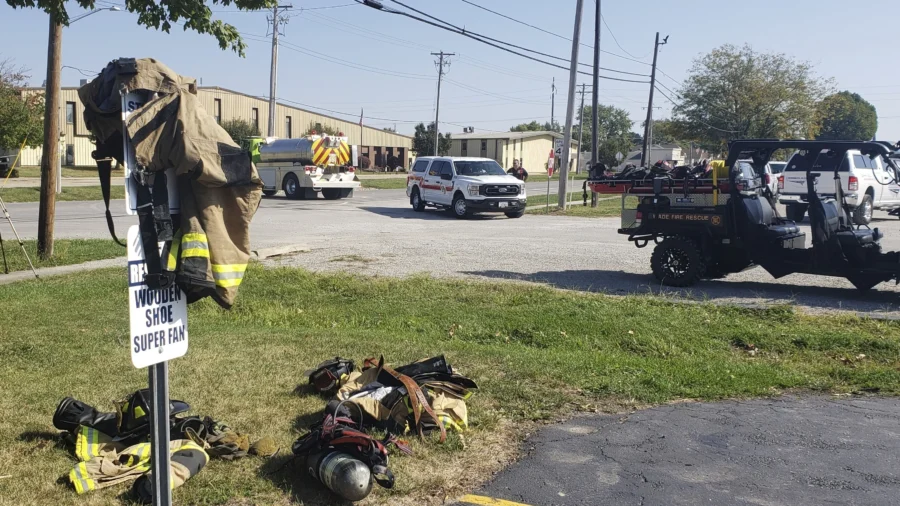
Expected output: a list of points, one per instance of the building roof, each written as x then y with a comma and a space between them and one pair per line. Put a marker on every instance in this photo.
507, 135
281, 103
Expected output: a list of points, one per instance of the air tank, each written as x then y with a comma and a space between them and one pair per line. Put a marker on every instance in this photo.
344, 475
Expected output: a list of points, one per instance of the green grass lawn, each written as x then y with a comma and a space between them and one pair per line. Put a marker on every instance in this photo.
86, 171
384, 183
605, 208
537, 354
65, 252
67, 194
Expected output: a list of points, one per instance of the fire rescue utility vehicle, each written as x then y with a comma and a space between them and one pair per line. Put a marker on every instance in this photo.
713, 227
465, 186
305, 166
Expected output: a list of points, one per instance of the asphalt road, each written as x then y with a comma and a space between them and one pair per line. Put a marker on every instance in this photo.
787, 451
377, 233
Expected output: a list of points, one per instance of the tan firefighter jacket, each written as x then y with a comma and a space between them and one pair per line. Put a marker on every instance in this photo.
104, 462
218, 186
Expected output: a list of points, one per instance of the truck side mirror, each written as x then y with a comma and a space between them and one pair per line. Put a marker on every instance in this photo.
447, 177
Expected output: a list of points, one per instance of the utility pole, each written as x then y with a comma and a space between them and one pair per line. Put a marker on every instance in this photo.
552, 103
276, 20
648, 127
437, 109
570, 108
581, 123
595, 97
50, 153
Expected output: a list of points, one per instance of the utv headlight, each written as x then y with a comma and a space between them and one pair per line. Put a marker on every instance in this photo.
473, 190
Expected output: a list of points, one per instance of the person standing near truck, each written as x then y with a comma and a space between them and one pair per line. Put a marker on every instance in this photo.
517, 171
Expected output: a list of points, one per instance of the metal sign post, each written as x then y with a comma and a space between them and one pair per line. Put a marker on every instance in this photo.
158, 320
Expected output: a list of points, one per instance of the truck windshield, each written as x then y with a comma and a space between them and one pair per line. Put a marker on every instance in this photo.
478, 168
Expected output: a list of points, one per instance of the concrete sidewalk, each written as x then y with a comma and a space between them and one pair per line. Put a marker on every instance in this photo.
67, 182
46, 272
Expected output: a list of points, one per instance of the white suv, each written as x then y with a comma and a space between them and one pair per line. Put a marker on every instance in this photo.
464, 186
868, 184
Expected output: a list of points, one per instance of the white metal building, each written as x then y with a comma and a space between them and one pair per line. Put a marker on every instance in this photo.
532, 148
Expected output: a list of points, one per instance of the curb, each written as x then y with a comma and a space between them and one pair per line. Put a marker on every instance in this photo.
264, 253
579, 202
47, 272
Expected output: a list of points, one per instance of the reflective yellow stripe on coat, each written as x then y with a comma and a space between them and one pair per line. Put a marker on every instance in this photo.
194, 244
228, 275
81, 479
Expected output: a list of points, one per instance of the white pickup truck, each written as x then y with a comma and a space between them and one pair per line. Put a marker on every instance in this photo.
465, 186
868, 184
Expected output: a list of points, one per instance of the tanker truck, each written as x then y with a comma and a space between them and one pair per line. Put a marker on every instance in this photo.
305, 166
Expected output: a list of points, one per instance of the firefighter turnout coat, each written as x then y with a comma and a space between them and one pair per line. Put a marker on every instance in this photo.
218, 186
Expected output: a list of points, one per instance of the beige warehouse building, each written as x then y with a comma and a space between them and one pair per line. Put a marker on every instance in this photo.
225, 105
532, 148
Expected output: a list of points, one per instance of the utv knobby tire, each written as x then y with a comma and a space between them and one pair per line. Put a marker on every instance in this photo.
678, 262
795, 212
862, 215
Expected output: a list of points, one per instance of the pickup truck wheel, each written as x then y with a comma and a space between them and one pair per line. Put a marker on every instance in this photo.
331, 193
862, 215
270, 193
460, 207
516, 214
677, 261
795, 212
415, 199
292, 188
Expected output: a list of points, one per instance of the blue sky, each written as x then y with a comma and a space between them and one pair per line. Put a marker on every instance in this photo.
387, 68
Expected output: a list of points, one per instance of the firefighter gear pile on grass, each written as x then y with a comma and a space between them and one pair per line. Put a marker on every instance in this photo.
113, 447
423, 397
218, 187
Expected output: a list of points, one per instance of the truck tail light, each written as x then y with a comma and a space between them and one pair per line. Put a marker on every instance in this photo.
781, 182
853, 184
352, 169
768, 179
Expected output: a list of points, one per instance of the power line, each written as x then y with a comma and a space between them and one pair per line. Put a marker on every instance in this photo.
633, 58
487, 40
608, 29
698, 120
302, 9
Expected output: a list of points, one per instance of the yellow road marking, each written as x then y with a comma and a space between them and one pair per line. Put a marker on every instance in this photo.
488, 501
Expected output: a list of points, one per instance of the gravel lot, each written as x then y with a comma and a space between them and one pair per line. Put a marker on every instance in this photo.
377, 233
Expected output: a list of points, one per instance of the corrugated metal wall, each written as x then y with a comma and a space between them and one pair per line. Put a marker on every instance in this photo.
233, 106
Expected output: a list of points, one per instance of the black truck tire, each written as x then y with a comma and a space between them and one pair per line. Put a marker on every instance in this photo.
515, 214
416, 201
292, 188
677, 261
270, 193
331, 193
460, 208
795, 212
862, 215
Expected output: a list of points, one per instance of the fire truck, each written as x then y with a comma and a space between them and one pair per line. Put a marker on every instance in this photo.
305, 166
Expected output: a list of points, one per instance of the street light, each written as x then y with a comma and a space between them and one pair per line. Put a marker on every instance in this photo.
50, 170
95, 11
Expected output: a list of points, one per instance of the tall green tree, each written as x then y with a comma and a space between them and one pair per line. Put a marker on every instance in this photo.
614, 126
423, 141
162, 15
21, 115
239, 130
736, 92
534, 126
846, 116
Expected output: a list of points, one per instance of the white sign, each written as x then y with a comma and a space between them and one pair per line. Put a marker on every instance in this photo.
158, 317
130, 103
558, 147
619, 156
